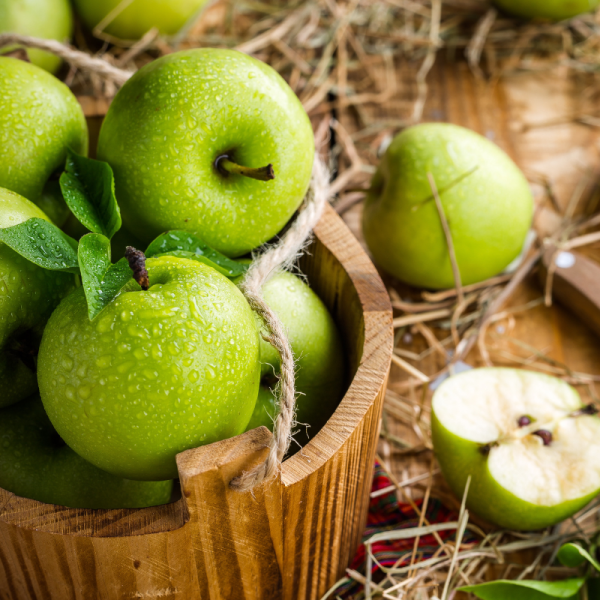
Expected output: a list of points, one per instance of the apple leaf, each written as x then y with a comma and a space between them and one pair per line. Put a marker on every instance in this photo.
176, 241
42, 243
526, 590
88, 187
102, 281
573, 555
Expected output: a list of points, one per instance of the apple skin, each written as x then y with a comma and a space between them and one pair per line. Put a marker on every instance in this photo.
139, 16
155, 373
317, 347
556, 10
39, 118
172, 120
35, 463
458, 458
47, 19
489, 211
28, 295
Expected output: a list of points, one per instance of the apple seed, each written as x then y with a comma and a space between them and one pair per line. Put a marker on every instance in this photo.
524, 421
545, 435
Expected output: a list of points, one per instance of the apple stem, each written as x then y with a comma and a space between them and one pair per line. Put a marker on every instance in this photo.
227, 167
590, 410
137, 263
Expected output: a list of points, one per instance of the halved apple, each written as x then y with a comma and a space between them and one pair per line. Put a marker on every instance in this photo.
530, 445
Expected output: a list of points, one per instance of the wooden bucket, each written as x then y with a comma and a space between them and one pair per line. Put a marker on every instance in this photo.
291, 539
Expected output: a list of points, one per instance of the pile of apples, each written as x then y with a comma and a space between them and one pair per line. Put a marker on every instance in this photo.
113, 360
209, 154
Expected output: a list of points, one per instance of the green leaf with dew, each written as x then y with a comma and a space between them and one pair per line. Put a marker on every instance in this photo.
102, 281
88, 187
42, 243
198, 258
184, 241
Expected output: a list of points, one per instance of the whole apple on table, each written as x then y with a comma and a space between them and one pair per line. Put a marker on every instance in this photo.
485, 199
173, 361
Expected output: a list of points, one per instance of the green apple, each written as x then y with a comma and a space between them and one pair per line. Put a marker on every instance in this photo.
35, 463
530, 446
170, 129
28, 295
155, 373
317, 347
486, 201
47, 19
39, 118
555, 10
132, 19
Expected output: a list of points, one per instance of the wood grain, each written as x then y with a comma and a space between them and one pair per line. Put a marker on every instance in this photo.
575, 281
291, 539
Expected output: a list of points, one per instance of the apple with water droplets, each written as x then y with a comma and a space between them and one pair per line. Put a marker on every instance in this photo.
208, 141
158, 371
28, 295
36, 463
39, 119
317, 347
527, 441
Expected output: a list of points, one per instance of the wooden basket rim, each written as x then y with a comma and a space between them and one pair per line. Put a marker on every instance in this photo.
374, 366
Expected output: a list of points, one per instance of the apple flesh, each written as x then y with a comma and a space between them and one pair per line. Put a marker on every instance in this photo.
155, 373
131, 20
39, 118
556, 10
486, 200
317, 347
175, 117
35, 463
28, 295
530, 446
47, 19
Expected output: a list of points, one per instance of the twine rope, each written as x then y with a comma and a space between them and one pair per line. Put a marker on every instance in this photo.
76, 58
263, 267
273, 259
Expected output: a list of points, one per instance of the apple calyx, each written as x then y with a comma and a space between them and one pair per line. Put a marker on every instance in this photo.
225, 166
137, 263
590, 409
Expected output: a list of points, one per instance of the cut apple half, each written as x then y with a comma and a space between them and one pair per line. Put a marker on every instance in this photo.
529, 443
